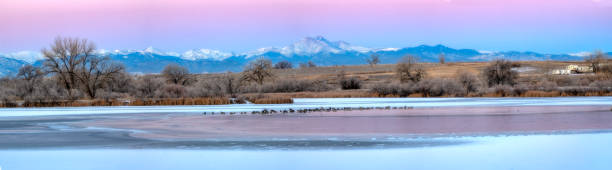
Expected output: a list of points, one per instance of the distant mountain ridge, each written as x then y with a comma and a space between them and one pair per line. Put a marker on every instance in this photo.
10, 66
316, 49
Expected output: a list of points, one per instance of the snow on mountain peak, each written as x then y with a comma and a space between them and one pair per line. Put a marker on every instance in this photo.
581, 54
387, 49
195, 54
198, 54
149, 50
27, 56
260, 51
486, 52
311, 45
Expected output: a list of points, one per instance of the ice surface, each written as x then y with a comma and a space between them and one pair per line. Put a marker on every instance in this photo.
567, 151
301, 103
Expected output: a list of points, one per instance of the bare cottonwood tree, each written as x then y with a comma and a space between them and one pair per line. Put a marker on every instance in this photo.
231, 83
373, 60
96, 71
176, 74
8, 94
30, 76
283, 65
500, 72
146, 86
75, 63
597, 60
308, 64
469, 81
257, 71
409, 70
442, 58
66, 58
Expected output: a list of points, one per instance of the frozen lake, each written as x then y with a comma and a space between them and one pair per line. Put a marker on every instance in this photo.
314, 103
563, 151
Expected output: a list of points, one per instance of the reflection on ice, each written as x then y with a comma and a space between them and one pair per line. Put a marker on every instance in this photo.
313, 103
567, 151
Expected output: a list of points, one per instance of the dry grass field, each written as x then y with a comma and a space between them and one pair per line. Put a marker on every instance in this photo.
530, 73
386, 72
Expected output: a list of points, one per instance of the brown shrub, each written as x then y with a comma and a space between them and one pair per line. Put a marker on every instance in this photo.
350, 83
604, 86
426, 88
409, 70
544, 85
146, 86
208, 88
392, 89
439, 87
501, 90
171, 91
470, 82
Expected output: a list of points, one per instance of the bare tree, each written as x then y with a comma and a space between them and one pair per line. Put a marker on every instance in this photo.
308, 64
231, 83
597, 60
29, 72
146, 86
176, 74
66, 58
171, 91
74, 61
30, 76
500, 72
211, 87
373, 60
121, 83
469, 81
409, 70
257, 71
547, 67
95, 72
8, 93
283, 65
442, 58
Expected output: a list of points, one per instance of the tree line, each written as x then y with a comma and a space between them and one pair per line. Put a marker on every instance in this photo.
72, 70
498, 78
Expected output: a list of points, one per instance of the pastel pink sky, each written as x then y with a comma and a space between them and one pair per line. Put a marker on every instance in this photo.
552, 26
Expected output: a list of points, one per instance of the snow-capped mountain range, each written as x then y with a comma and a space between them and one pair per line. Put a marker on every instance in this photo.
195, 54
317, 49
310, 46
